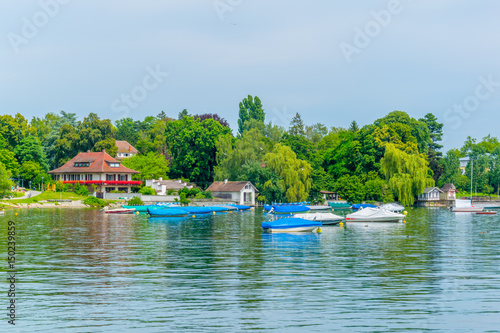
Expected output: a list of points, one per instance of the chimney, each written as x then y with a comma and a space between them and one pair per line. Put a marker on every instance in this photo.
161, 178
103, 150
88, 151
225, 181
129, 148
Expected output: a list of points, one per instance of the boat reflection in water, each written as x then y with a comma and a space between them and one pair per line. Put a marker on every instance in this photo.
285, 241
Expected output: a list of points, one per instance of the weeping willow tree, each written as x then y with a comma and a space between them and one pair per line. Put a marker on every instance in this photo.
407, 174
296, 173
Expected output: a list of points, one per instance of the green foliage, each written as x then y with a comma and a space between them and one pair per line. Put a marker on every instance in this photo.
108, 145
30, 149
135, 201
94, 202
296, 173
451, 168
5, 183
60, 186
147, 190
350, 188
193, 148
250, 108
34, 172
208, 194
184, 201
128, 130
8, 159
407, 174
297, 126
150, 166
13, 130
80, 189
271, 187
170, 191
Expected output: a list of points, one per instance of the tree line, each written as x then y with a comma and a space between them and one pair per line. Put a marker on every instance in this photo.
394, 158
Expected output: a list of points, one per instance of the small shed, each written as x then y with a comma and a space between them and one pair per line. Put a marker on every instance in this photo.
328, 195
449, 192
430, 194
239, 192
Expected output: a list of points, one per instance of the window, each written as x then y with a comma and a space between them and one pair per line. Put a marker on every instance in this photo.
123, 177
114, 165
109, 177
82, 164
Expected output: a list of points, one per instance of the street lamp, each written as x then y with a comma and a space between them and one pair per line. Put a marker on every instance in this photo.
42, 184
30, 185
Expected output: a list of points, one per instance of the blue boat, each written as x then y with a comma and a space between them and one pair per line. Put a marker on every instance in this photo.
167, 212
292, 209
197, 210
241, 207
293, 224
359, 206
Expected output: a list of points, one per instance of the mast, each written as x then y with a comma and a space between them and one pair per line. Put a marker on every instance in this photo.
471, 175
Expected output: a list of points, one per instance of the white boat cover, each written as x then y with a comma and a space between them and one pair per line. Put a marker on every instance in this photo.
374, 215
319, 207
322, 217
393, 207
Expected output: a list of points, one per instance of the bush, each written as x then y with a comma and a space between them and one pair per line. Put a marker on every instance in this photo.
170, 191
135, 201
94, 202
193, 192
81, 190
147, 190
208, 194
118, 192
184, 201
59, 186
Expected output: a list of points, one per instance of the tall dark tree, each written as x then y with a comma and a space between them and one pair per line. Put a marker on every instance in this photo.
213, 116
250, 108
297, 126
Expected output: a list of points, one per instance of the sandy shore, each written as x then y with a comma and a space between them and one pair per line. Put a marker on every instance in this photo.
72, 204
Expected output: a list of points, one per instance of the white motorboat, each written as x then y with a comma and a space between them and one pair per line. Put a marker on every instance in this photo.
465, 206
319, 207
374, 215
325, 218
293, 224
393, 207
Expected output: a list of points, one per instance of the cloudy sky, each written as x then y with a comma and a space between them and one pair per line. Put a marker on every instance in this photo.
330, 61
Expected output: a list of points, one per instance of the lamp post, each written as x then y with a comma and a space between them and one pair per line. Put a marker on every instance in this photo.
30, 185
42, 184
18, 180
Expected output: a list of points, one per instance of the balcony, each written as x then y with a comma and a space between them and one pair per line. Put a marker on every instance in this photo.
104, 182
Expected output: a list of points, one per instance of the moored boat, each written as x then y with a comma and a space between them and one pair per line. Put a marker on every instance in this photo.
120, 211
465, 206
289, 210
486, 212
393, 207
340, 205
293, 224
374, 215
167, 212
363, 206
141, 209
325, 218
241, 207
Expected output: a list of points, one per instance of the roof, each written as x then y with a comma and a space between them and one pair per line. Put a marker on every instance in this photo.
99, 163
125, 147
228, 186
430, 189
448, 187
172, 184
327, 192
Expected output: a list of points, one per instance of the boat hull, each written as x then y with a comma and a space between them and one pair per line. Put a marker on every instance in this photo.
394, 220
467, 210
120, 211
167, 212
296, 229
293, 224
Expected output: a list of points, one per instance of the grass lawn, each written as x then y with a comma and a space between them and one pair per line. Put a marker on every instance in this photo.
48, 195
467, 194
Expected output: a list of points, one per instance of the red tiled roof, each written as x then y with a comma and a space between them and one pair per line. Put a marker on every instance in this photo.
99, 163
227, 187
125, 147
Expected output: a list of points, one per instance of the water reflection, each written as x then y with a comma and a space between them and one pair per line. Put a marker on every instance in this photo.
86, 271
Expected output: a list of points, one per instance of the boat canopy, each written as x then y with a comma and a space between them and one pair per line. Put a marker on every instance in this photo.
293, 222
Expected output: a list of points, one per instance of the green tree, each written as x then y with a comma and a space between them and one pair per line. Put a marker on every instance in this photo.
150, 166
92, 130
14, 129
5, 183
34, 172
193, 148
296, 173
108, 145
297, 126
30, 149
354, 126
271, 187
127, 130
451, 168
350, 188
407, 174
250, 108
8, 159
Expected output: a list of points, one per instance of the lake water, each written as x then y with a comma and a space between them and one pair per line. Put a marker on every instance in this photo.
83, 271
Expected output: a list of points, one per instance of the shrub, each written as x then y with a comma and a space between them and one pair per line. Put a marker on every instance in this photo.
184, 200
170, 191
147, 190
94, 202
193, 192
59, 186
118, 192
208, 194
81, 190
135, 201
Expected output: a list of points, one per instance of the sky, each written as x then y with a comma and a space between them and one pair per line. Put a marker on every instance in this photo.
330, 61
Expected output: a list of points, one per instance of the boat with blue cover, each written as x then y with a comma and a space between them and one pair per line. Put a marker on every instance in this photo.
360, 206
287, 210
197, 210
293, 224
241, 207
167, 212
141, 209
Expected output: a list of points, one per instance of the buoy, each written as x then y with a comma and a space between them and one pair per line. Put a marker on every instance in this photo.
136, 213
405, 212
404, 221
482, 232
193, 215
213, 213
319, 230
341, 224
16, 214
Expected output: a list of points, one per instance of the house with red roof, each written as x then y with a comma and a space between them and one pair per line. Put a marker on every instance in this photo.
125, 150
96, 168
239, 192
